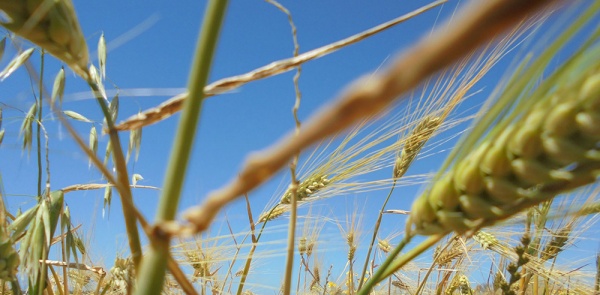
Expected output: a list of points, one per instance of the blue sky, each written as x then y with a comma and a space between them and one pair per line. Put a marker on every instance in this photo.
151, 44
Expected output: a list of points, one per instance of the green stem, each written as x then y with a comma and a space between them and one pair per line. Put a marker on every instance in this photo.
375, 231
122, 184
252, 249
39, 122
180, 155
391, 265
152, 272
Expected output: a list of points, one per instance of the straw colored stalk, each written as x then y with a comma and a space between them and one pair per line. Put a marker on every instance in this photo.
80, 266
174, 104
52, 25
477, 24
95, 186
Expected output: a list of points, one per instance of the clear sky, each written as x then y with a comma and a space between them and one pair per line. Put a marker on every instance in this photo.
151, 44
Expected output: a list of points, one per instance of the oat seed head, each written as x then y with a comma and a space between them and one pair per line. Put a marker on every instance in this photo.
52, 25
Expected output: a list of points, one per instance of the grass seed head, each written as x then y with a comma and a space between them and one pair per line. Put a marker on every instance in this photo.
306, 188
52, 25
543, 160
122, 274
274, 213
486, 240
9, 258
556, 244
416, 140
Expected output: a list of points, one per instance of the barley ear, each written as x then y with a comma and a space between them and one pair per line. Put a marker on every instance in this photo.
556, 243
307, 188
415, 141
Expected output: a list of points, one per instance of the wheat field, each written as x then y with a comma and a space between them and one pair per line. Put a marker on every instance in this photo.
464, 162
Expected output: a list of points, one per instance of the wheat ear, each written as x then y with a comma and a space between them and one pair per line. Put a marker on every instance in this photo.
545, 148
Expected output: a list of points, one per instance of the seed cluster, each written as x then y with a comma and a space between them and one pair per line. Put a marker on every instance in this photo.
551, 148
486, 240
9, 259
306, 188
50, 24
122, 274
419, 136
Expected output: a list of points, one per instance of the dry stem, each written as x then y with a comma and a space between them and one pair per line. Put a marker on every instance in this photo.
174, 104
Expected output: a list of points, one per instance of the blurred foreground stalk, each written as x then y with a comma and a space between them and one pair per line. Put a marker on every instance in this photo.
152, 273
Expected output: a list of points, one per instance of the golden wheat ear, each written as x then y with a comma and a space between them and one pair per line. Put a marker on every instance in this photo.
52, 25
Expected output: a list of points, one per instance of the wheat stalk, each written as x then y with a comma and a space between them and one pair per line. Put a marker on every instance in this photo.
174, 104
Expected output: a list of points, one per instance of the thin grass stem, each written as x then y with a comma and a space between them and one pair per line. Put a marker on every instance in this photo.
122, 184
374, 237
39, 146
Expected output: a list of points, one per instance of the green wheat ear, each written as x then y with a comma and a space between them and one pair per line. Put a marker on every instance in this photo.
547, 145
